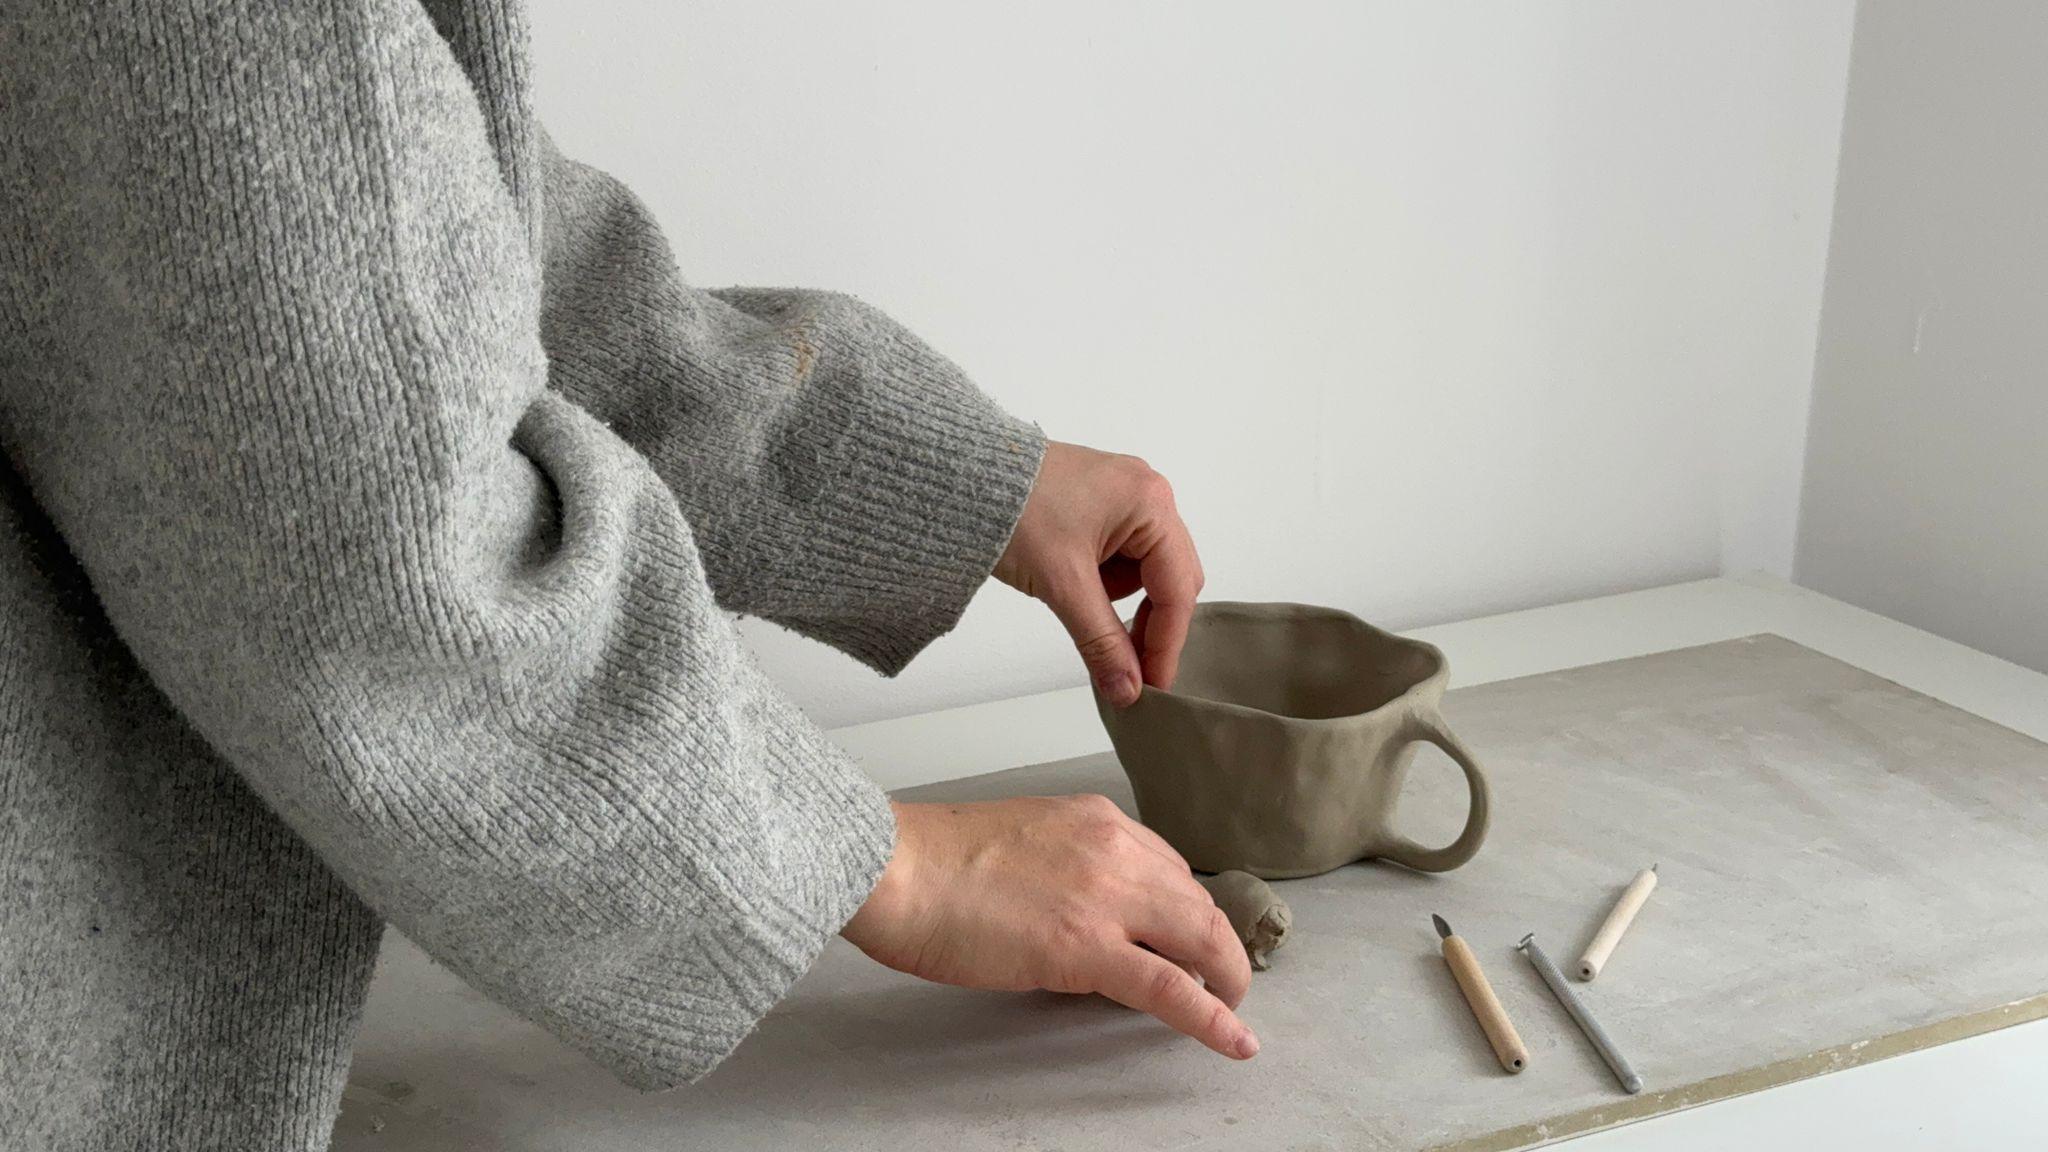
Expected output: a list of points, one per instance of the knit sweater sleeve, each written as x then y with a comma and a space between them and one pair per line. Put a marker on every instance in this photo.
846, 481
290, 409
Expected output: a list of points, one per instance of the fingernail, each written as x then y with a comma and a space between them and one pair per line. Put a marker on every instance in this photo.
1119, 688
1247, 1045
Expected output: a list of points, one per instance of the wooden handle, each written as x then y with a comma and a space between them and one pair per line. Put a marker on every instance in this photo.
1493, 1019
1618, 920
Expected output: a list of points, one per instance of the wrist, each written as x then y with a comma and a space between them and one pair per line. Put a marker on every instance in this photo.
889, 903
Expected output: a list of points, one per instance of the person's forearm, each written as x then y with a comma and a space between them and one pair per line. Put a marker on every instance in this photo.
846, 481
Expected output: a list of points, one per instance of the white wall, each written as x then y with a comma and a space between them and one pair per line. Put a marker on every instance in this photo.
1428, 309
1927, 476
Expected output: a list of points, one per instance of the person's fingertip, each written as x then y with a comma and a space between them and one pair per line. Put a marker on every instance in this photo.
1247, 1045
1118, 687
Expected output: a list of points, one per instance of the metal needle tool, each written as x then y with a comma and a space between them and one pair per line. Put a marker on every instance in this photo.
1630, 1082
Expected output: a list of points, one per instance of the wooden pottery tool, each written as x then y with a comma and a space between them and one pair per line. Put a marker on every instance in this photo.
1617, 922
1493, 1019
1630, 1082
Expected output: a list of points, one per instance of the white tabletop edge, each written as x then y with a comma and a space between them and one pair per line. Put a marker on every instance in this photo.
1056, 725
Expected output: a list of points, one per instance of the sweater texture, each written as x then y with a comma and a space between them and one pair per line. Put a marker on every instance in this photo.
375, 498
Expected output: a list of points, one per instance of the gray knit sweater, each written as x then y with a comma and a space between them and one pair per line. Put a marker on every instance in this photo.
374, 496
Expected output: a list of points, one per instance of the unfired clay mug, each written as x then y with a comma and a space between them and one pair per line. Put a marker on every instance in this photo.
1281, 749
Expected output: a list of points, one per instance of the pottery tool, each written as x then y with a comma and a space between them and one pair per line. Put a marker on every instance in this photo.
1630, 1082
1617, 922
1493, 1019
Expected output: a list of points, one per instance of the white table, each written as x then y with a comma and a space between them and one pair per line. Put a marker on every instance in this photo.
1979, 1093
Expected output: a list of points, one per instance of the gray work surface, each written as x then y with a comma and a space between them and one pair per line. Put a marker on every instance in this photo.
1849, 869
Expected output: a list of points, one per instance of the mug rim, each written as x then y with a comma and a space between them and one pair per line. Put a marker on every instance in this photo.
1439, 674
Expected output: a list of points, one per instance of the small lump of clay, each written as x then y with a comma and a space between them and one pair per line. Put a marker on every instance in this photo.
1260, 918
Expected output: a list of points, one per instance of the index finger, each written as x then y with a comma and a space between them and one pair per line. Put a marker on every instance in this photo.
1198, 936
1172, 575
1157, 986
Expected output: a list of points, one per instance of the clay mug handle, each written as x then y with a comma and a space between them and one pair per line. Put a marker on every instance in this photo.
1407, 853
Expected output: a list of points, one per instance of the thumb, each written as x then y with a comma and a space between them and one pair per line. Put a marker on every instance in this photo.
1105, 646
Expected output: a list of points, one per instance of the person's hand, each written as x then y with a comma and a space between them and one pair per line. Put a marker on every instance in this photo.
1095, 529
1064, 893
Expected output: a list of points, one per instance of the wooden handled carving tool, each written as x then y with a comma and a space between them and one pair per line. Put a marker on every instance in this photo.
1630, 1082
1493, 1019
1617, 922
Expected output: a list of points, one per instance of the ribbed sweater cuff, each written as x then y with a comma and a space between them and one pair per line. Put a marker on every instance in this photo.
674, 1011
929, 480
